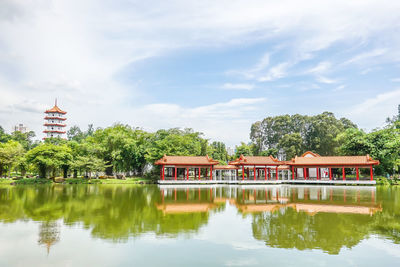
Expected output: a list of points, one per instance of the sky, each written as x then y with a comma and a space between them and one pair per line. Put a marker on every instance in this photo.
216, 66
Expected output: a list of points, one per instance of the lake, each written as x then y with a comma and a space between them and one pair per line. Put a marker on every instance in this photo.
131, 225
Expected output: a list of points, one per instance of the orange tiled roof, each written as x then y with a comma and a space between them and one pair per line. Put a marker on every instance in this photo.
225, 167
186, 160
310, 153
55, 109
334, 161
255, 160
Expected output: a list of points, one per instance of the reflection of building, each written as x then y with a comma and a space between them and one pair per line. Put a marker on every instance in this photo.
20, 128
49, 234
54, 122
302, 199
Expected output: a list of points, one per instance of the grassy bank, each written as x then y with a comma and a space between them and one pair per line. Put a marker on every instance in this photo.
33, 181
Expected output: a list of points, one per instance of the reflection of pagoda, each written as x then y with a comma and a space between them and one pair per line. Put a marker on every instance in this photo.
49, 234
54, 122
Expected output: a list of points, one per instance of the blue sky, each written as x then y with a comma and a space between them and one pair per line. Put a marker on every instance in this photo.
215, 66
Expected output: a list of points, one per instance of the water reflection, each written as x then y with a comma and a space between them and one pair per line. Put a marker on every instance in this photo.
316, 217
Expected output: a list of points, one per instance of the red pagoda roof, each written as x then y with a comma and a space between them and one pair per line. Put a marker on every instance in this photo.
54, 118
54, 124
55, 109
53, 131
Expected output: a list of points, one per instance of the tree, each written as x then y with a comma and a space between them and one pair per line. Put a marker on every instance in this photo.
10, 153
25, 139
48, 157
380, 144
4, 137
317, 133
89, 164
243, 149
218, 151
292, 145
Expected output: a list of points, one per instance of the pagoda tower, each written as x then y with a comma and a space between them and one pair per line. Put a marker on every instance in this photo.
54, 122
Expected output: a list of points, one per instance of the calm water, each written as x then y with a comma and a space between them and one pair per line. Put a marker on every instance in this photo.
123, 225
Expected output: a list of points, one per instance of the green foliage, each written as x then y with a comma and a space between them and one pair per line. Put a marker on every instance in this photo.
297, 133
175, 142
218, 151
49, 157
25, 139
10, 154
32, 181
4, 137
244, 149
380, 144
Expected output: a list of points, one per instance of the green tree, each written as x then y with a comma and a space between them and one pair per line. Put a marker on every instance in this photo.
50, 158
4, 137
243, 149
10, 153
25, 139
218, 151
292, 144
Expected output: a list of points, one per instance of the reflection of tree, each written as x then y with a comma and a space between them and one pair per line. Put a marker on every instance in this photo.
111, 211
327, 231
49, 234
117, 212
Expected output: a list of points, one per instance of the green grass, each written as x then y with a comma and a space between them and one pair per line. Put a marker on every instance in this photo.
5, 181
32, 181
133, 180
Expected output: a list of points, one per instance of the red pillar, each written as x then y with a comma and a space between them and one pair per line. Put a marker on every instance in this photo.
187, 174
344, 174
304, 173
372, 173
265, 173
269, 173
175, 173
255, 173
211, 170
357, 174
330, 173
292, 173
199, 173
277, 173
243, 172
317, 173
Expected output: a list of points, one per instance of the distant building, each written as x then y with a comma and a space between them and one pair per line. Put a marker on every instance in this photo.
230, 151
20, 128
54, 122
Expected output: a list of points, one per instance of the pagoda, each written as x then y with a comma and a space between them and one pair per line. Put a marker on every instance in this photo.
54, 122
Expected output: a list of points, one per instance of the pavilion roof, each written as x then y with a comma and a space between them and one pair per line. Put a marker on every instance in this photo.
186, 160
255, 160
225, 167
334, 161
55, 109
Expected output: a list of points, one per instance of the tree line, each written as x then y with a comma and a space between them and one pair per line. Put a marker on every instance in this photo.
131, 151
113, 150
291, 135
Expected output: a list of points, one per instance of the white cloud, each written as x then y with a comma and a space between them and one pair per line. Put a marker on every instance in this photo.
276, 72
237, 86
395, 80
229, 120
362, 57
323, 79
322, 67
76, 50
373, 111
